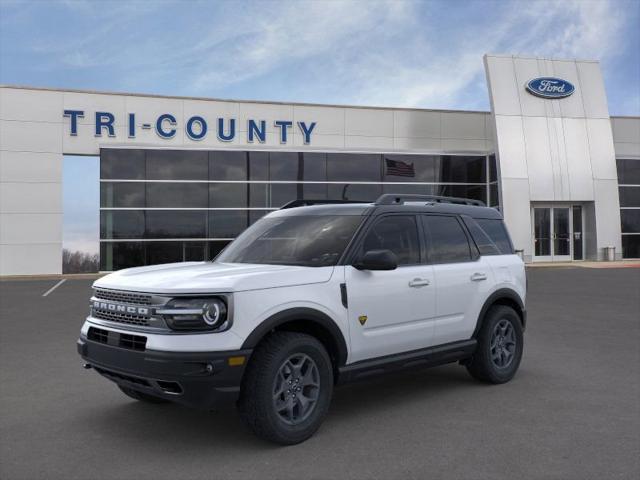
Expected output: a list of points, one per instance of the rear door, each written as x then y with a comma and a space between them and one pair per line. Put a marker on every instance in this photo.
463, 278
391, 311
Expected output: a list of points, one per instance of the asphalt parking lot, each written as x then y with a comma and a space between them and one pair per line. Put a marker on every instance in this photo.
573, 410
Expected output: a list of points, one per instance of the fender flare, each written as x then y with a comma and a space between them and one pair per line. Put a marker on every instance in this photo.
501, 294
304, 314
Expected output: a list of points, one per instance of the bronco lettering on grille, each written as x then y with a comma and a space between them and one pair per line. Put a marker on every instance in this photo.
117, 308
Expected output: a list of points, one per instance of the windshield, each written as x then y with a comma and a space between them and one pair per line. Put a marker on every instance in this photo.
310, 241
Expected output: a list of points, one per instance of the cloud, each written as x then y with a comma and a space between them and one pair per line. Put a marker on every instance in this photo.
393, 53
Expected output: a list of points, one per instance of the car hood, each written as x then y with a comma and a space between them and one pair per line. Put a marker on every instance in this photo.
208, 277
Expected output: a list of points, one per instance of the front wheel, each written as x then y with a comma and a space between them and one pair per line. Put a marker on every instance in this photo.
500, 344
287, 388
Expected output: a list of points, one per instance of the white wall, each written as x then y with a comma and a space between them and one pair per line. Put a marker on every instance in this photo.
553, 150
34, 135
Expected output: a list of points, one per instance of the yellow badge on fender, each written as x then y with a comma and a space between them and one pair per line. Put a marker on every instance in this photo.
362, 319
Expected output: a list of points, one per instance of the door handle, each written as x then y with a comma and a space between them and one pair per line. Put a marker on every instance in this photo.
419, 282
477, 277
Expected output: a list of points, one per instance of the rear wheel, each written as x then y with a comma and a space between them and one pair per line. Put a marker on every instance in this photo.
143, 397
500, 345
287, 388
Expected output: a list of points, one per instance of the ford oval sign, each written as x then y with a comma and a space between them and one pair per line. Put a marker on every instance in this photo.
550, 87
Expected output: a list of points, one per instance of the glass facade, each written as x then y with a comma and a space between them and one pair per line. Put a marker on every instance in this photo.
629, 190
159, 206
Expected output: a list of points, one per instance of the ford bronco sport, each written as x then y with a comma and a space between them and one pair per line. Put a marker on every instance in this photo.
310, 296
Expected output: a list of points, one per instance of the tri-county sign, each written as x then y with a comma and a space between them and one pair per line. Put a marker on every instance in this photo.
550, 87
196, 127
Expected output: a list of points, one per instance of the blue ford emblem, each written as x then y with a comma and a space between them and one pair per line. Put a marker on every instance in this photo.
550, 87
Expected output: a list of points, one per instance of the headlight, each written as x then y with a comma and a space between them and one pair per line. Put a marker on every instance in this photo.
196, 314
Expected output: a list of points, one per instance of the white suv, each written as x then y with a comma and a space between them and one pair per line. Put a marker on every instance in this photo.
311, 296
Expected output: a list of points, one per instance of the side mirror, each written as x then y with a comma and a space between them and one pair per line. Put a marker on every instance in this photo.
377, 260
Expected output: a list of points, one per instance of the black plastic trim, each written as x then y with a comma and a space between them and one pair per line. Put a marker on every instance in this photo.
301, 313
425, 357
205, 378
503, 293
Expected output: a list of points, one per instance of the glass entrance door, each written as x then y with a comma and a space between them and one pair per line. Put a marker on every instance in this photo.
557, 233
561, 234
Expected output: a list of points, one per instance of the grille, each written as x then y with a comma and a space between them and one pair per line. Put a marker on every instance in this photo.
128, 318
122, 340
98, 335
123, 297
133, 342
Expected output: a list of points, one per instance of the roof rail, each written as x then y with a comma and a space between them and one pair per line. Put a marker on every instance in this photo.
306, 203
399, 199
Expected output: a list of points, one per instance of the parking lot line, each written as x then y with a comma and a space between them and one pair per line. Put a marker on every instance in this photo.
54, 287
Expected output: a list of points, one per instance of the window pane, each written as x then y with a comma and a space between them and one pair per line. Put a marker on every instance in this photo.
258, 166
122, 164
493, 169
176, 224
118, 255
177, 195
628, 171
447, 240
497, 233
629, 196
353, 167
462, 169
409, 189
258, 195
119, 195
195, 251
121, 224
630, 246
630, 221
311, 241
474, 192
314, 167
283, 166
164, 252
282, 193
485, 244
494, 200
227, 223
215, 248
225, 195
354, 192
228, 165
398, 234
314, 191
410, 168
177, 165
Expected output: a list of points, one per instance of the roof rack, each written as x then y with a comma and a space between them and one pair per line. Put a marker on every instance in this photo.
399, 199
306, 203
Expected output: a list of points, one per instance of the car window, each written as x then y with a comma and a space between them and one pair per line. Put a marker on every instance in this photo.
447, 240
309, 241
398, 233
485, 245
497, 232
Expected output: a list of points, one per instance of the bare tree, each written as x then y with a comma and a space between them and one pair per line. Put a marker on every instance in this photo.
79, 262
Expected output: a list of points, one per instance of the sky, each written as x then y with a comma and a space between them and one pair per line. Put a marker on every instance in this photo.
380, 53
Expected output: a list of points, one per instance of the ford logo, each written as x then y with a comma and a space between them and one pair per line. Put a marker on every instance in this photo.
550, 87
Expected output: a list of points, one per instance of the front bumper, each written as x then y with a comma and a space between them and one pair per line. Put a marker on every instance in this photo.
195, 379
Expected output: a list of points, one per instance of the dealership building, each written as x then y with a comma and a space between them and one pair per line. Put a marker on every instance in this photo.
181, 177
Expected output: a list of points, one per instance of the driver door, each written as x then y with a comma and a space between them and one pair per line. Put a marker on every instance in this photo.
391, 311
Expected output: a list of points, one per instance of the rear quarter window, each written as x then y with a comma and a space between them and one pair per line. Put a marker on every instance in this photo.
497, 232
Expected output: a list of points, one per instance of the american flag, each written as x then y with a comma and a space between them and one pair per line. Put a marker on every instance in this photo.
399, 168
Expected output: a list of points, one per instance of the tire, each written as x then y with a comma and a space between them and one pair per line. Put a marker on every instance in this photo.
285, 368
140, 396
498, 362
